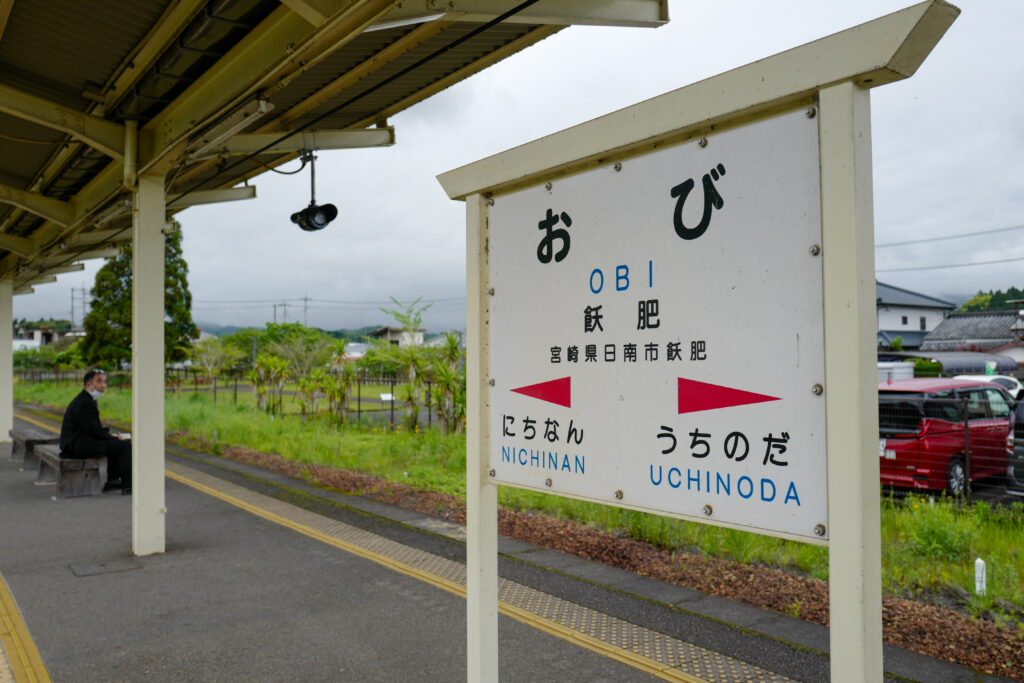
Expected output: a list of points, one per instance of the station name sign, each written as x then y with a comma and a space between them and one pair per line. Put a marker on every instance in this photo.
656, 332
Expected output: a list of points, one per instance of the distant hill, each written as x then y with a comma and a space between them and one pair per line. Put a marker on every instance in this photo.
351, 335
218, 330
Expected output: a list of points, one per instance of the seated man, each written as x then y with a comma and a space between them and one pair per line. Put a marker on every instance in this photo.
82, 435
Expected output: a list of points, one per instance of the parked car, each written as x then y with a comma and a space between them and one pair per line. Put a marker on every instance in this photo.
927, 424
1011, 384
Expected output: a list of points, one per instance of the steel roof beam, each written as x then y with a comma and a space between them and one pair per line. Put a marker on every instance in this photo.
149, 50
402, 46
319, 139
229, 194
69, 268
22, 246
492, 58
51, 209
274, 52
42, 280
105, 136
5, 13
63, 258
561, 12
97, 236
315, 12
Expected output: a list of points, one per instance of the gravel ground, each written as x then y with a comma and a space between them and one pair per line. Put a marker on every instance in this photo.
936, 630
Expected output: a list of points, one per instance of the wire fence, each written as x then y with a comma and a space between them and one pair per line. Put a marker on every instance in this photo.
949, 443
372, 400
926, 443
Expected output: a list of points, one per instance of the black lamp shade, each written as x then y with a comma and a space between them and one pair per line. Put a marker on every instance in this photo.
315, 217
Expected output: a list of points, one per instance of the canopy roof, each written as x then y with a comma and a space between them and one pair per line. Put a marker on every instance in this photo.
206, 83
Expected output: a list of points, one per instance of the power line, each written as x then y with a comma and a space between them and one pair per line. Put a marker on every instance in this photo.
233, 302
949, 237
950, 265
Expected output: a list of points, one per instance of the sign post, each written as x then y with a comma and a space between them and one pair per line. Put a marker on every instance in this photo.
671, 310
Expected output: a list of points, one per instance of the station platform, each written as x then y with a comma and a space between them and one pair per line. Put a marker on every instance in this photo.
269, 578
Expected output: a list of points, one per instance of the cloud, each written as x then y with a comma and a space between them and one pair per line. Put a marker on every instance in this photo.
947, 148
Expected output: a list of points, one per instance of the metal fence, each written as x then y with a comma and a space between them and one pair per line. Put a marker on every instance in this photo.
371, 405
952, 444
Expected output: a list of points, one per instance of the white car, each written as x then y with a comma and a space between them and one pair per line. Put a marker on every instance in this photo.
1011, 384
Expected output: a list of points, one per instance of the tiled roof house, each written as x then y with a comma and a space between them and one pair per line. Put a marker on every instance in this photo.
991, 331
907, 315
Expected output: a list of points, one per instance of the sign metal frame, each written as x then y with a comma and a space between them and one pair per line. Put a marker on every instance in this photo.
834, 75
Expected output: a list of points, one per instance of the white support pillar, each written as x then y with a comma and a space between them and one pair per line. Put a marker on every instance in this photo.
148, 526
6, 358
481, 493
851, 401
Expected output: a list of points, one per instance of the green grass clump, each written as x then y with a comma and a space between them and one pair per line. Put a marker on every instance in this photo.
929, 545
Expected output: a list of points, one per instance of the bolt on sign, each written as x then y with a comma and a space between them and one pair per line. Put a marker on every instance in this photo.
656, 332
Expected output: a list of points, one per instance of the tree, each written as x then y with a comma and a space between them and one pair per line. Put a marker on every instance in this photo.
993, 300
409, 317
108, 326
449, 375
213, 355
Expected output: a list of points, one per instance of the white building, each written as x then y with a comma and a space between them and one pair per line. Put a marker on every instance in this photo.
399, 337
908, 315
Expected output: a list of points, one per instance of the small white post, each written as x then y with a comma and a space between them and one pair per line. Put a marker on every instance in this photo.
851, 400
979, 577
6, 358
481, 494
148, 524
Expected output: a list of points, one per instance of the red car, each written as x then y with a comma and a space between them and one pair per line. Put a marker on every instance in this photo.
923, 440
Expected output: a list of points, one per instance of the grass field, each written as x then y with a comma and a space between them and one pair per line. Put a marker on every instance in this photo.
928, 545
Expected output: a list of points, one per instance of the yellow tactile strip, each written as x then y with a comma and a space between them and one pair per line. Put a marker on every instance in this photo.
6, 676
656, 653
19, 658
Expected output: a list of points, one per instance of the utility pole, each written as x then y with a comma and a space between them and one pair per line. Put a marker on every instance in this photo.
275, 314
305, 311
75, 292
284, 313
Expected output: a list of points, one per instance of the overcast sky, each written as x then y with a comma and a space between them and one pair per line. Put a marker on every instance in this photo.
948, 147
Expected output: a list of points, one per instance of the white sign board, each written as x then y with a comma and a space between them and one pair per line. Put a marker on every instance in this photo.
656, 332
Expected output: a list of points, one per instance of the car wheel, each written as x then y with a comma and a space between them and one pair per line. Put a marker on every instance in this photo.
956, 477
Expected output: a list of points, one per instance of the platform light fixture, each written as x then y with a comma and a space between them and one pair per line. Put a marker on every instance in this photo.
314, 217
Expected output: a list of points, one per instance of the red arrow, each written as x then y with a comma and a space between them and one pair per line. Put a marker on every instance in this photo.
696, 396
557, 391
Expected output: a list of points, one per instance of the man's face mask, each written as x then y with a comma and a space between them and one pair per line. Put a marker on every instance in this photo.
99, 385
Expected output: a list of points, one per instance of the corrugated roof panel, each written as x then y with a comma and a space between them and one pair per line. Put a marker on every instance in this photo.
429, 73
334, 66
102, 32
59, 48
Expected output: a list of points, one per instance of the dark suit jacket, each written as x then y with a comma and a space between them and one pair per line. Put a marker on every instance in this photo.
81, 428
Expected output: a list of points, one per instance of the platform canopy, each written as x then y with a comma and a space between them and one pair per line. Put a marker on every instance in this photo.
95, 94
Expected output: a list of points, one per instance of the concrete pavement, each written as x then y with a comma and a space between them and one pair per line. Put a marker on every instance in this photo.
272, 578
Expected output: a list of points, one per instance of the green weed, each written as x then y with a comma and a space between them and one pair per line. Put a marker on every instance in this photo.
928, 544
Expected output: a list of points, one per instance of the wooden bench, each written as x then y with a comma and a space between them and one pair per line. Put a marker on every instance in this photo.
73, 476
25, 439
